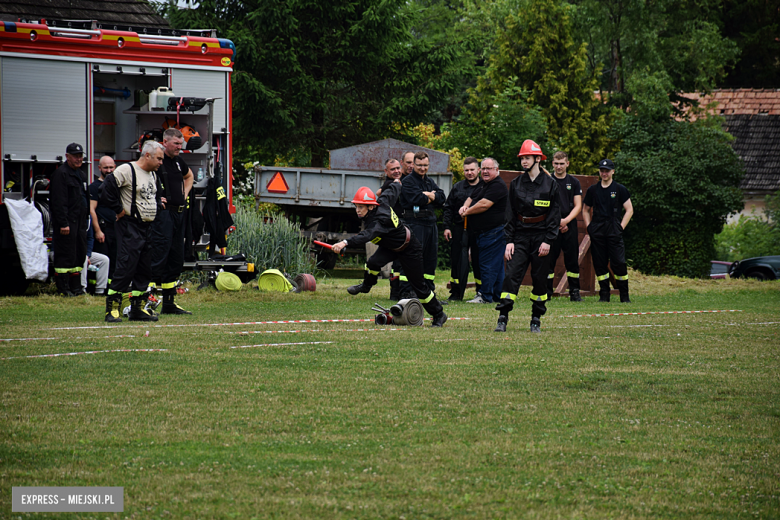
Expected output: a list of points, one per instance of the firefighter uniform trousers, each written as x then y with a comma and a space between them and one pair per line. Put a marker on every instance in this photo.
568, 243
411, 260
609, 249
133, 257
526, 252
459, 262
167, 244
427, 234
107, 247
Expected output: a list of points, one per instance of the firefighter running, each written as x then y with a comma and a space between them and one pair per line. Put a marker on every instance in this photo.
395, 241
532, 225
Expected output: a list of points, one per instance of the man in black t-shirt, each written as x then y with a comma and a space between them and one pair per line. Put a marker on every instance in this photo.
570, 195
485, 214
605, 227
103, 218
167, 232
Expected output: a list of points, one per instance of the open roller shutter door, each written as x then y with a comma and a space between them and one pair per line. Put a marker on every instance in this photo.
44, 106
205, 84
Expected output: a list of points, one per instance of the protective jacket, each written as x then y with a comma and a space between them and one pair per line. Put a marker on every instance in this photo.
531, 200
216, 215
68, 197
412, 189
382, 225
458, 195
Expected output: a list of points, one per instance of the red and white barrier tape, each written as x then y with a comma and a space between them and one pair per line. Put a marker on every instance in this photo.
26, 339
228, 324
91, 352
68, 339
313, 330
285, 344
642, 313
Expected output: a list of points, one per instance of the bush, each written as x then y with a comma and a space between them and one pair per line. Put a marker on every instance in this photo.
270, 241
750, 237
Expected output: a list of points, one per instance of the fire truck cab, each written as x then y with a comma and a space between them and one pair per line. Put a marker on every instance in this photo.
83, 82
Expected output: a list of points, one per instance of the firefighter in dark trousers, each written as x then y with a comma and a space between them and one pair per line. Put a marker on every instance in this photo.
103, 218
570, 193
420, 196
69, 208
392, 172
606, 200
454, 231
532, 225
167, 233
133, 192
395, 241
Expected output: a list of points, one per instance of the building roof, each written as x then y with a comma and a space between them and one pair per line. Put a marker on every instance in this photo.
120, 12
753, 117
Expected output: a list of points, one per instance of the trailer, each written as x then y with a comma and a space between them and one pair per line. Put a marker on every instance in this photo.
84, 82
320, 199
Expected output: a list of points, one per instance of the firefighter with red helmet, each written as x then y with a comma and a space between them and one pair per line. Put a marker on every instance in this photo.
532, 226
396, 242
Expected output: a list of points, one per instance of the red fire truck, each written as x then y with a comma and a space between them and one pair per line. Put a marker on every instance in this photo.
83, 82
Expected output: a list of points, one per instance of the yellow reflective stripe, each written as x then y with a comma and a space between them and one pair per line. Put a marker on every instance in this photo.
453, 280
506, 295
542, 203
111, 291
551, 276
572, 275
536, 298
396, 273
170, 285
60, 270
136, 294
621, 277
403, 278
429, 298
602, 277
152, 285
376, 240
429, 276
478, 282
369, 270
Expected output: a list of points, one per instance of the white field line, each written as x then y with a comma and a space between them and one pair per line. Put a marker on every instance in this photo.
91, 352
285, 344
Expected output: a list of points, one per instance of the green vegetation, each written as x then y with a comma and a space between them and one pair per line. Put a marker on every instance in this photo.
749, 237
647, 416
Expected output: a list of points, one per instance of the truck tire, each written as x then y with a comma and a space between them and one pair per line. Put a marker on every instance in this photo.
757, 274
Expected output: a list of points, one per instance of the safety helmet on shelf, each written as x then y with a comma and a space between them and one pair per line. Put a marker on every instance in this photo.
531, 148
364, 195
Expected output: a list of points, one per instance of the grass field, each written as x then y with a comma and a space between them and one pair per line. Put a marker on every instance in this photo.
638, 416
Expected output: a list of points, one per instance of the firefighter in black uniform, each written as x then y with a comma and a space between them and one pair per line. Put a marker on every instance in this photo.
570, 193
455, 233
103, 218
420, 196
605, 227
532, 225
167, 233
134, 194
395, 241
393, 171
69, 208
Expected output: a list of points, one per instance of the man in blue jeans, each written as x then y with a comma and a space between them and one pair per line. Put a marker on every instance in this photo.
484, 214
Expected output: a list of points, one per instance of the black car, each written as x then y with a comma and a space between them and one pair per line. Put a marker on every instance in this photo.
760, 268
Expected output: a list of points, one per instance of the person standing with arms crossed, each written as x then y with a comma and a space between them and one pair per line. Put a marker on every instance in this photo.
603, 205
570, 193
532, 226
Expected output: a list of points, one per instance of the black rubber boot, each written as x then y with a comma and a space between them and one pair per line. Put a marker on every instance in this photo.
624, 292
439, 319
501, 325
395, 284
169, 306
359, 288
536, 324
137, 311
74, 282
574, 295
550, 288
63, 284
604, 291
113, 308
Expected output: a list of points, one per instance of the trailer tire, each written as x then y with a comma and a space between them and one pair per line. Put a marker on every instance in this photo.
15, 282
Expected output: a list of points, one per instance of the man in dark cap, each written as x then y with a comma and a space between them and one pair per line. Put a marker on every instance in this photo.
603, 215
69, 203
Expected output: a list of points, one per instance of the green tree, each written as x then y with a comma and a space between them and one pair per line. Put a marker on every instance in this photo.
313, 76
537, 48
674, 43
683, 178
754, 25
751, 237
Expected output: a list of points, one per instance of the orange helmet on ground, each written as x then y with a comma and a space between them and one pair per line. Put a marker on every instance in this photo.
531, 148
364, 195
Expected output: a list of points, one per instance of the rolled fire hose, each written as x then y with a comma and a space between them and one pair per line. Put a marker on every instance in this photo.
408, 312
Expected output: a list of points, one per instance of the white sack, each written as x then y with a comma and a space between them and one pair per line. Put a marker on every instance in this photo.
27, 225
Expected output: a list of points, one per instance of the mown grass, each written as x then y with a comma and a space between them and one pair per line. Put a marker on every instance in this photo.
656, 415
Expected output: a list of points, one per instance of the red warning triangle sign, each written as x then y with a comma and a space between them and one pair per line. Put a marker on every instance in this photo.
277, 184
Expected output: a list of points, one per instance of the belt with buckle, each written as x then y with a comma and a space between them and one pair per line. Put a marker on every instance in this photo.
174, 208
406, 242
530, 220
